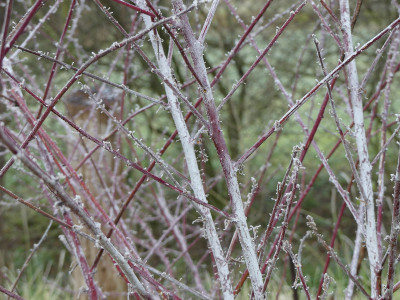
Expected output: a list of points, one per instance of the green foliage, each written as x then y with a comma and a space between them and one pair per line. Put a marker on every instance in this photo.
44, 278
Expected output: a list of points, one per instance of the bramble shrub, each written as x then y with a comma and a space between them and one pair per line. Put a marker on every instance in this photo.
200, 150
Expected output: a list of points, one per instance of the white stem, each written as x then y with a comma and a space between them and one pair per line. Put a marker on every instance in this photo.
207, 22
196, 49
191, 161
354, 263
362, 149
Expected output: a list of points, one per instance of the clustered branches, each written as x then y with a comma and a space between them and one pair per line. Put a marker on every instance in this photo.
153, 140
